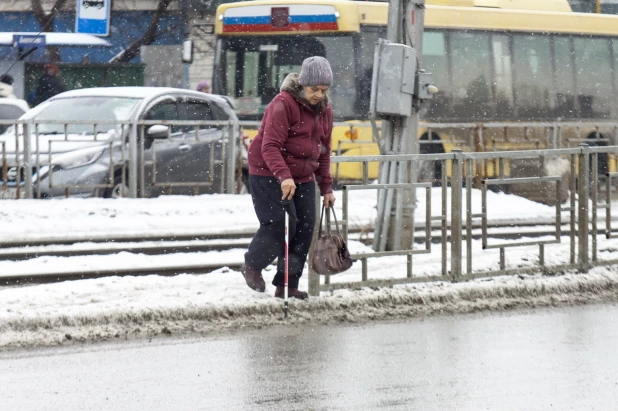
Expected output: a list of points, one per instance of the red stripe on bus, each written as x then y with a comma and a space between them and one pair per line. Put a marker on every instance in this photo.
254, 28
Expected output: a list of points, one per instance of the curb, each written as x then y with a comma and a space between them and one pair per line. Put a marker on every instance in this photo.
494, 294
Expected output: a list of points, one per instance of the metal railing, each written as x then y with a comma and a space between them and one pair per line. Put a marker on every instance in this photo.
576, 190
135, 159
581, 234
132, 164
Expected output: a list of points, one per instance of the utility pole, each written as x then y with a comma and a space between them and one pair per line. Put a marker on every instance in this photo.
187, 44
399, 86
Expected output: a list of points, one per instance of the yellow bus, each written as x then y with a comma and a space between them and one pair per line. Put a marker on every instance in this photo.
491, 62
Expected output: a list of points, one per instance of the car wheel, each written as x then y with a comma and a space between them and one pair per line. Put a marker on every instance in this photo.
119, 190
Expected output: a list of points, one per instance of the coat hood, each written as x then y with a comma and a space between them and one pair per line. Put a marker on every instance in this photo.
290, 84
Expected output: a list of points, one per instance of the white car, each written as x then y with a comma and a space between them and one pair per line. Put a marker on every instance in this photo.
178, 155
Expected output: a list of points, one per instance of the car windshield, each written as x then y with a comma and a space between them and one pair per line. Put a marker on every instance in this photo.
104, 111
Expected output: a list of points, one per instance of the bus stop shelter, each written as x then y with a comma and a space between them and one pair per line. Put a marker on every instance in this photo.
25, 43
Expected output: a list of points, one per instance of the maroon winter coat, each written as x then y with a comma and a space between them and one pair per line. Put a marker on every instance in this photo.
294, 140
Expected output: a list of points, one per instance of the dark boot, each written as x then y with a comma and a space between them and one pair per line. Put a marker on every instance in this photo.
292, 293
254, 278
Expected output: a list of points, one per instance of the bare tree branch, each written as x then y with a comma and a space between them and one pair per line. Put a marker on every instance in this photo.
46, 21
149, 36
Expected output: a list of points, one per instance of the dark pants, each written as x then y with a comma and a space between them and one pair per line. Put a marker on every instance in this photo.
268, 242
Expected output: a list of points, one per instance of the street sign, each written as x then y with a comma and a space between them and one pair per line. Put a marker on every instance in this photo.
28, 40
93, 17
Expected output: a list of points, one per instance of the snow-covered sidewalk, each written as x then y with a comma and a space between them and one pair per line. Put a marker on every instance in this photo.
208, 214
127, 307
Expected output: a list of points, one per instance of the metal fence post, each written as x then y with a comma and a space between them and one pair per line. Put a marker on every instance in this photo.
314, 277
27, 162
133, 161
582, 202
230, 173
456, 210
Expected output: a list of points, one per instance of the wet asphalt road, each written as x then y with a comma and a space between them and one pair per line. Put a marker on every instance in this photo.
558, 359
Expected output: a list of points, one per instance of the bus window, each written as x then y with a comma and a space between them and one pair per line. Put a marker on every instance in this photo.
435, 61
470, 62
256, 67
230, 73
369, 38
503, 75
250, 74
565, 82
593, 74
340, 55
533, 77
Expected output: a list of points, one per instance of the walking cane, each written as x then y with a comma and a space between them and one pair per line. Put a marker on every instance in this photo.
288, 212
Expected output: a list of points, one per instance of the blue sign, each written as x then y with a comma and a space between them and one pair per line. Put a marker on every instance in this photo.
28, 40
92, 17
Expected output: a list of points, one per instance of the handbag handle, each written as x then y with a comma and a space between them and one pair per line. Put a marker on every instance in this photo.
331, 209
327, 222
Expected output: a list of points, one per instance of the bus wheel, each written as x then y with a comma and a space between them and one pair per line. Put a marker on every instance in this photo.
431, 171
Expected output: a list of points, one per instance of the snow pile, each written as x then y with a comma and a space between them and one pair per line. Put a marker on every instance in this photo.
142, 307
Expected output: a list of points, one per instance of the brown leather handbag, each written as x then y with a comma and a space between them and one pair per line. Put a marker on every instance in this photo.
330, 254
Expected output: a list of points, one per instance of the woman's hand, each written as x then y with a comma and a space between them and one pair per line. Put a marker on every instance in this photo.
329, 199
288, 188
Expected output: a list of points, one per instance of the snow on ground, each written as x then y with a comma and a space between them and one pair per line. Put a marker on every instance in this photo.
151, 306
207, 214
96, 309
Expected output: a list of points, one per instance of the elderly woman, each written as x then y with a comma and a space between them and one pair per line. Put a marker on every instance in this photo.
290, 153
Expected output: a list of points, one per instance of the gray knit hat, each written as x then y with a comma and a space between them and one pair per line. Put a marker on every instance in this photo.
315, 72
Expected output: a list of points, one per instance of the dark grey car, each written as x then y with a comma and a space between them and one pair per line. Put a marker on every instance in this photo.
89, 160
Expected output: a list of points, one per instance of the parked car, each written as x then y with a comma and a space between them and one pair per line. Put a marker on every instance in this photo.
177, 155
11, 109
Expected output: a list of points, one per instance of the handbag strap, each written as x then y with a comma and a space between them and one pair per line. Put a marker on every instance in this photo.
328, 230
332, 210
321, 218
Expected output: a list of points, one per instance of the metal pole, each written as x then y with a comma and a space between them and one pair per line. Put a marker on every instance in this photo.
456, 210
393, 29
388, 208
469, 178
408, 173
184, 11
27, 162
572, 209
142, 174
314, 277
231, 155
133, 161
383, 143
594, 194
405, 26
400, 127
582, 202
444, 218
